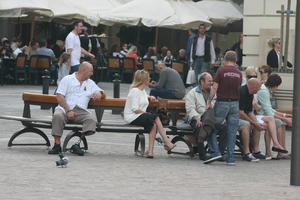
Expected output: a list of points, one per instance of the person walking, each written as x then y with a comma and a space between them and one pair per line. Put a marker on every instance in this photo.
202, 52
73, 46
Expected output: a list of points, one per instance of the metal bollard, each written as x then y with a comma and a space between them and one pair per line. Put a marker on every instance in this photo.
116, 82
46, 82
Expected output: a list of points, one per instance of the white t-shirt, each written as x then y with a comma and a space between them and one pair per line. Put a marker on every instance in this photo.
17, 51
76, 94
137, 100
73, 42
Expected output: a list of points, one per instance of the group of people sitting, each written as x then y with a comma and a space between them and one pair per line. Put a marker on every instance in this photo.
217, 108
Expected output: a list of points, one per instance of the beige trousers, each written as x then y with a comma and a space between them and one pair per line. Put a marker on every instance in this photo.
81, 117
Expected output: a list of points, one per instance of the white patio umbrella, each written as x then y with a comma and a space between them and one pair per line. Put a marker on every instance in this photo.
221, 12
66, 11
186, 15
24, 8
96, 7
147, 12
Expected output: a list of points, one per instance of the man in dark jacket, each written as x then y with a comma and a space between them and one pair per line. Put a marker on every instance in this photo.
202, 51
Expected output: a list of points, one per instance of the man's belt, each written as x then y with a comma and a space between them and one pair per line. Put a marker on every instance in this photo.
199, 56
228, 100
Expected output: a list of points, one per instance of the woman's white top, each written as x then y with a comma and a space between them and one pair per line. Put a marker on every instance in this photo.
63, 71
136, 100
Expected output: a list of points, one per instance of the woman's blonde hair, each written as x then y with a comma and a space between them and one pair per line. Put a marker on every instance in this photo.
272, 42
140, 76
63, 58
250, 70
132, 49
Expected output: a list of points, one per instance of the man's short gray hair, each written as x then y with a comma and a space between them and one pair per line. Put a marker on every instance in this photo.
182, 51
230, 56
203, 76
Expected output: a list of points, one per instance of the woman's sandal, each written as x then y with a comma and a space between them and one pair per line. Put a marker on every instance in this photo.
146, 155
167, 148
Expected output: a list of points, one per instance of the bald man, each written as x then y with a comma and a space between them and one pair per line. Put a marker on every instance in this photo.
73, 95
258, 122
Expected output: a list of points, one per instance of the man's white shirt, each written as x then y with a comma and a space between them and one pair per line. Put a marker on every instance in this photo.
76, 94
73, 42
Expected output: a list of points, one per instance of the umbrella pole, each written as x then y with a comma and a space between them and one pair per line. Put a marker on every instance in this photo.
32, 29
156, 36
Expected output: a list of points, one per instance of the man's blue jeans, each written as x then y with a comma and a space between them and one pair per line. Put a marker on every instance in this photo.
229, 111
74, 68
199, 66
163, 93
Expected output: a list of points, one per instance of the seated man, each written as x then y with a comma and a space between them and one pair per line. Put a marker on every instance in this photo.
259, 122
73, 95
45, 51
247, 118
170, 85
195, 105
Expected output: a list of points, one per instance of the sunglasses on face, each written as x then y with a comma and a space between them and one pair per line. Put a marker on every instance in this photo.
251, 77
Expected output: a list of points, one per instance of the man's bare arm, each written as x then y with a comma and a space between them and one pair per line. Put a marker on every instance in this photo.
87, 53
62, 102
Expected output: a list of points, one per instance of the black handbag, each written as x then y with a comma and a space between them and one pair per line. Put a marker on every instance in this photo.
164, 116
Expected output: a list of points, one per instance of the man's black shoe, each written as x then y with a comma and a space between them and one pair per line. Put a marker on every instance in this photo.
195, 150
259, 155
77, 150
212, 159
56, 149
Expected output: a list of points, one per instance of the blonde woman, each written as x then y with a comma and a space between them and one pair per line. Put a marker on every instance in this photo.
274, 54
135, 111
64, 65
132, 53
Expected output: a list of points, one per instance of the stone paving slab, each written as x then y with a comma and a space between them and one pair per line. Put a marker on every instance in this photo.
110, 170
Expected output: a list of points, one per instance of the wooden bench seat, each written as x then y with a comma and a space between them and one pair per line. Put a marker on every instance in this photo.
34, 125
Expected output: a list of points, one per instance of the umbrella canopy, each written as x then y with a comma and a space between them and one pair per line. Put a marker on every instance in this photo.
96, 7
21, 8
148, 13
186, 15
221, 12
65, 11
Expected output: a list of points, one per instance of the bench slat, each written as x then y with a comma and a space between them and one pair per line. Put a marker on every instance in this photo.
24, 119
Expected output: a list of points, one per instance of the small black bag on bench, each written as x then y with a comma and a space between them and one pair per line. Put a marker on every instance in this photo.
162, 113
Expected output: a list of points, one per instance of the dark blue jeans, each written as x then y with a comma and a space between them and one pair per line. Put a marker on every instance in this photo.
199, 66
74, 68
163, 93
230, 112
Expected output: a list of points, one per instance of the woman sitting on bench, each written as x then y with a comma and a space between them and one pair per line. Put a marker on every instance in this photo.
135, 111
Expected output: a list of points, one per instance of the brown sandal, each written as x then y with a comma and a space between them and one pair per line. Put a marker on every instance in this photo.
146, 155
167, 148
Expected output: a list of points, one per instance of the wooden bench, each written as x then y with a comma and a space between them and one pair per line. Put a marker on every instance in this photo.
34, 125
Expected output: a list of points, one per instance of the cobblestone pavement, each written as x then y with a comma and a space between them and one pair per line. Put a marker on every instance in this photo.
110, 170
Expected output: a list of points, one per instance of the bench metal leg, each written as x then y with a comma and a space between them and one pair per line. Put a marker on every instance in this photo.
72, 134
29, 130
139, 146
189, 145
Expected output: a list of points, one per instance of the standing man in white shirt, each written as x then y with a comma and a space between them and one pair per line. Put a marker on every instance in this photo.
73, 95
73, 46
202, 51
